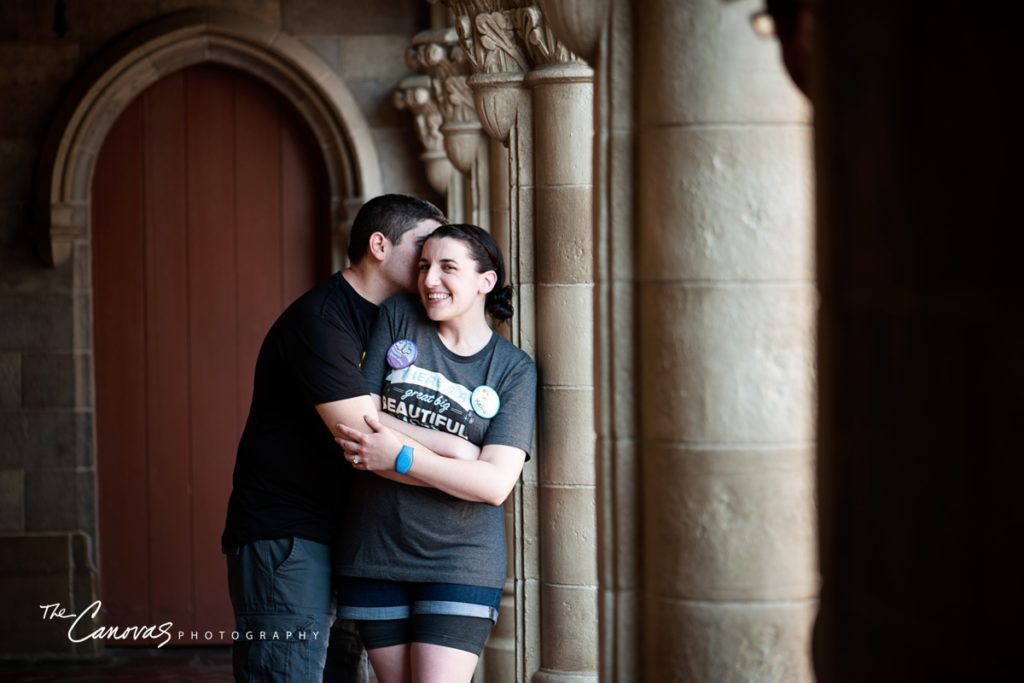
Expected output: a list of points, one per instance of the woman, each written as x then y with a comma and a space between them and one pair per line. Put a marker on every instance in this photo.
423, 551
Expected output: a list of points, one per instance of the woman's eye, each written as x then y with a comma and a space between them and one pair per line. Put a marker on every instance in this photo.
424, 267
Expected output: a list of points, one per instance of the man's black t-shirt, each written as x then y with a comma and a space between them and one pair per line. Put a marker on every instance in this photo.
290, 476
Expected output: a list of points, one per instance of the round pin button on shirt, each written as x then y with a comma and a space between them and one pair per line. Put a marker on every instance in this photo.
402, 354
485, 401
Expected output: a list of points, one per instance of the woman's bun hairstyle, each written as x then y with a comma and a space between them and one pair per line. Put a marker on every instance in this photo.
484, 250
499, 303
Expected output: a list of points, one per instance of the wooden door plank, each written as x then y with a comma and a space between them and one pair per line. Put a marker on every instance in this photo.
170, 533
212, 329
302, 246
258, 209
119, 347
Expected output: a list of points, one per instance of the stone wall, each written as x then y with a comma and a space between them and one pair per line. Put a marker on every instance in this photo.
47, 459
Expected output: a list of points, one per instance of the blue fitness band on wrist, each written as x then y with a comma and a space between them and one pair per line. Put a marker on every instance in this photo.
403, 463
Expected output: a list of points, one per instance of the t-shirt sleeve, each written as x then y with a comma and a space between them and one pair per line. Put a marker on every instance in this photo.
513, 425
324, 360
381, 338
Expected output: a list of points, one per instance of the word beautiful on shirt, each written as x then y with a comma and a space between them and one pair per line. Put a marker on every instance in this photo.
430, 399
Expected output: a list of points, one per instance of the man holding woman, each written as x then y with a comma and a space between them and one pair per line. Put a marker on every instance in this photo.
291, 487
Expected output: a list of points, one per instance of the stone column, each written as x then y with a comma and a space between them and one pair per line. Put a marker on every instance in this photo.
498, 191
726, 336
548, 135
562, 91
500, 661
478, 181
602, 32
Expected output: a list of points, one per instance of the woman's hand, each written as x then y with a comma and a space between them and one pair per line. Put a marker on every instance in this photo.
374, 451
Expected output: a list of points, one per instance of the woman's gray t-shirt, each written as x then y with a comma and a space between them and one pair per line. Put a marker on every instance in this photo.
410, 533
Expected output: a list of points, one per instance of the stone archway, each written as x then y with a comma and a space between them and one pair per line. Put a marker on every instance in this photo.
171, 43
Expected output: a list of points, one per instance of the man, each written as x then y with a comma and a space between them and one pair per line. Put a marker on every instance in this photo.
290, 476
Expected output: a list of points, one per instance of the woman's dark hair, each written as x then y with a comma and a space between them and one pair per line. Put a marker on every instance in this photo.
484, 250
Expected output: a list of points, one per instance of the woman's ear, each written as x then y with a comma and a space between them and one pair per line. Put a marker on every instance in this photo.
378, 245
487, 281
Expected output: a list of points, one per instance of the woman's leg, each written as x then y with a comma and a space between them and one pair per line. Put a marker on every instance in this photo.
439, 664
391, 664
446, 647
387, 644
449, 625
380, 610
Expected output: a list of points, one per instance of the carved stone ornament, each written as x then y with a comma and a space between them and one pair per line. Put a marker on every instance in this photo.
503, 40
439, 54
493, 42
414, 93
461, 142
487, 33
498, 98
543, 47
577, 23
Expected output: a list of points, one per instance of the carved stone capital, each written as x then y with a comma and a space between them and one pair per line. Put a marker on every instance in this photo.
498, 97
577, 23
487, 32
490, 42
541, 44
461, 142
502, 41
502, 36
415, 94
439, 54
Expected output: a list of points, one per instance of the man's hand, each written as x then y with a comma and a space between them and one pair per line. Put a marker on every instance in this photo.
372, 451
349, 412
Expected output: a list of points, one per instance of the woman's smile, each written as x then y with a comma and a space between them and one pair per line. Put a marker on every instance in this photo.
449, 283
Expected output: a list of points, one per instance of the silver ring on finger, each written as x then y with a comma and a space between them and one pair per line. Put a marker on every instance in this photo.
356, 460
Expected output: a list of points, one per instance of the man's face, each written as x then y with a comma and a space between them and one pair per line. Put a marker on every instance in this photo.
402, 261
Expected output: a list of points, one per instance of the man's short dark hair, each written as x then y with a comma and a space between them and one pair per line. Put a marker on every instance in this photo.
392, 215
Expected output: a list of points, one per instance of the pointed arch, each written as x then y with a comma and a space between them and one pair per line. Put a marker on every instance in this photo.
164, 46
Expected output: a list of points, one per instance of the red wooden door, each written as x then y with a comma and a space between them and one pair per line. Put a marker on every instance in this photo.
209, 217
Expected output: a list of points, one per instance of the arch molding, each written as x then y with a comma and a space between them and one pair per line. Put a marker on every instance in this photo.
167, 45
